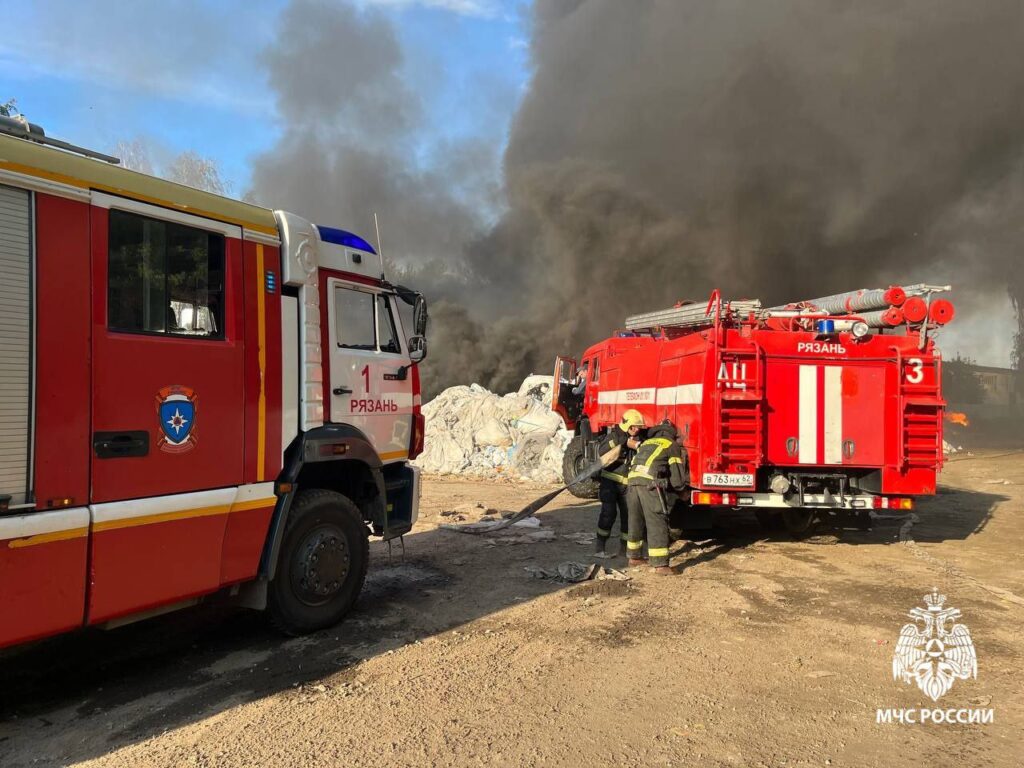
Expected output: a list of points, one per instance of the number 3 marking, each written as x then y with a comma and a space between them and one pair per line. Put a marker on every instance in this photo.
915, 370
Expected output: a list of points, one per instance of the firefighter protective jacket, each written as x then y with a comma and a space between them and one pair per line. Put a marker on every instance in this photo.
659, 458
618, 470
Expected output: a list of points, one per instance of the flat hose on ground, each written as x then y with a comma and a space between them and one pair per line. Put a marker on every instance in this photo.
537, 504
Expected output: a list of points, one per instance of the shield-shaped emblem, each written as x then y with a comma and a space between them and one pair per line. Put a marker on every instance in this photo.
176, 410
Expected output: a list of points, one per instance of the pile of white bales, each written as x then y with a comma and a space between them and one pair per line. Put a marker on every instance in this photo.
472, 431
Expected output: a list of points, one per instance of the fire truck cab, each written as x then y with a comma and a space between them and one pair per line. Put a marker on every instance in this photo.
198, 397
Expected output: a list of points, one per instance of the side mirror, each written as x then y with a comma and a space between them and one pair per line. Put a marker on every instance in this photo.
419, 318
417, 348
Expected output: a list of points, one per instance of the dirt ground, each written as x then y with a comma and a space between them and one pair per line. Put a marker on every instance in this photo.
761, 651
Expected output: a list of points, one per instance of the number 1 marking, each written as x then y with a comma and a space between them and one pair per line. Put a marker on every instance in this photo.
366, 377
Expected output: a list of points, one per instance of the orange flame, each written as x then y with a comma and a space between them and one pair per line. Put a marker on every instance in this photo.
958, 418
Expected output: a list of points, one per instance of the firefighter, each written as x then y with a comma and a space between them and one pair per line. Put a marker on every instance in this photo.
612, 488
657, 467
580, 385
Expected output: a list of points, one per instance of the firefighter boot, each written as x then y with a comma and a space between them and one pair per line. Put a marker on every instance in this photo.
599, 544
635, 553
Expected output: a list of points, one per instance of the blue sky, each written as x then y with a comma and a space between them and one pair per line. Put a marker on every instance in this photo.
188, 75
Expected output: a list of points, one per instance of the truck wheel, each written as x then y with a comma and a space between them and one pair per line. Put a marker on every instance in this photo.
575, 461
322, 564
798, 521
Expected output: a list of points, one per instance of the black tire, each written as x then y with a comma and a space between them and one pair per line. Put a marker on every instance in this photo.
322, 563
799, 521
575, 461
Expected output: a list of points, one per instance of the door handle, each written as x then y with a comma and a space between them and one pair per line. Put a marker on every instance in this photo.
120, 445
342, 391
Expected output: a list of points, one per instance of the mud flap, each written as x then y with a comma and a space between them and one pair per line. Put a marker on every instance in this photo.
401, 506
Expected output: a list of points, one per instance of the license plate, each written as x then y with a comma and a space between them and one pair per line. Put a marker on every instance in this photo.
728, 480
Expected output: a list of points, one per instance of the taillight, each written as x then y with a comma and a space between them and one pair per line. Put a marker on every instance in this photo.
894, 502
419, 425
713, 499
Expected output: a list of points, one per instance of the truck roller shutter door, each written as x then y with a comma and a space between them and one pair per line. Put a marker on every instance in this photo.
15, 341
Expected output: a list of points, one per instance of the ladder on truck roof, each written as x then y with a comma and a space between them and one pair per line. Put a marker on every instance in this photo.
694, 315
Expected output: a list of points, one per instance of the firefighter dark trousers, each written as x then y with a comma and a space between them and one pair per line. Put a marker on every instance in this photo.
647, 516
613, 504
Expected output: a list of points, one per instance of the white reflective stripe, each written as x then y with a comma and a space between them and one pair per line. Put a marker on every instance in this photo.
158, 505
690, 394
684, 394
184, 502
626, 396
833, 414
808, 433
19, 526
255, 491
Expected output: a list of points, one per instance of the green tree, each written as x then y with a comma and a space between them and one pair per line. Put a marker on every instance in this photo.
9, 108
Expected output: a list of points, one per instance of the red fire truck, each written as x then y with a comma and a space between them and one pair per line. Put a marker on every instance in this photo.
198, 396
831, 405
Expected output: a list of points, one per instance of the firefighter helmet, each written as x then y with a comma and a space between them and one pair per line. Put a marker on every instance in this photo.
631, 418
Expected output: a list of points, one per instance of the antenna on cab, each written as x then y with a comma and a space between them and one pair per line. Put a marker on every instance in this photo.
380, 248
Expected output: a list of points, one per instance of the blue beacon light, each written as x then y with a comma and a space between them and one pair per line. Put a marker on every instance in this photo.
826, 327
341, 237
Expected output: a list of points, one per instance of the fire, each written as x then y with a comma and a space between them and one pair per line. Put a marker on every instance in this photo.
958, 418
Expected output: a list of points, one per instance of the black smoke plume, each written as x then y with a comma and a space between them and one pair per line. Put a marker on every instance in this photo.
779, 150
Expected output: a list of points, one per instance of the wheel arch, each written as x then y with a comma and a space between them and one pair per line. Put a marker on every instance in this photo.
334, 457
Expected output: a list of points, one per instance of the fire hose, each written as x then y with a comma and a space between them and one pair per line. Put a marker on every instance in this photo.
537, 504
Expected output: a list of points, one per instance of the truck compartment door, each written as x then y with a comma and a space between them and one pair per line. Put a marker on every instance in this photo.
825, 413
168, 402
42, 551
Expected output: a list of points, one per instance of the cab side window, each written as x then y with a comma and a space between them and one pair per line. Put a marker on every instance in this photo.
365, 321
353, 311
386, 326
164, 277
595, 370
